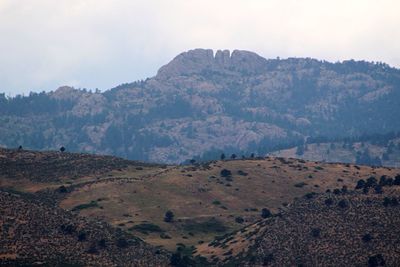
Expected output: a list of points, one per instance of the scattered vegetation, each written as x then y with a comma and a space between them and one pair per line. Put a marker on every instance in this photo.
146, 228
91, 204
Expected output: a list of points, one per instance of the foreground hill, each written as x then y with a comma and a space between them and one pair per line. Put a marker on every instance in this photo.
204, 101
342, 229
207, 200
34, 233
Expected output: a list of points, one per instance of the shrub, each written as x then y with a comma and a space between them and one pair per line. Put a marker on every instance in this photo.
164, 236
68, 229
92, 204
378, 189
336, 191
360, 184
397, 180
310, 195
300, 185
329, 201
239, 219
315, 232
366, 238
386, 201
240, 172
62, 189
266, 213
267, 260
169, 216
216, 202
394, 201
376, 260
344, 189
371, 182
82, 236
229, 179
382, 180
102, 243
177, 259
225, 173
122, 243
343, 204
390, 201
365, 190
92, 249
389, 181
145, 228
210, 226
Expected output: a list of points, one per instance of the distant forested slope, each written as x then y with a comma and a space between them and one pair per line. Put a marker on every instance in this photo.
203, 102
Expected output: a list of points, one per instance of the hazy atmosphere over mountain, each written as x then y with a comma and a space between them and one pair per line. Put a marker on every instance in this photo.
208, 102
195, 133
100, 44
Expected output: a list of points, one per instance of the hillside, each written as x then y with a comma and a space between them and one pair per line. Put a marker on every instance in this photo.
206, 102
342, 229
366, 153
207, 200
34, 233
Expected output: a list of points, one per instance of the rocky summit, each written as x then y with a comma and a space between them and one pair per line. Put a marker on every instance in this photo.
203, 103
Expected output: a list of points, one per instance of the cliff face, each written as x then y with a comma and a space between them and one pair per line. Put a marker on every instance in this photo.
207, 102
201, 60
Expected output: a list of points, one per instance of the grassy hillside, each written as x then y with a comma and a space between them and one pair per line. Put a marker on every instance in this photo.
205, 200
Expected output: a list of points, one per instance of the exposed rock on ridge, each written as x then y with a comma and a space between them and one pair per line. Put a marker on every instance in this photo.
199, 60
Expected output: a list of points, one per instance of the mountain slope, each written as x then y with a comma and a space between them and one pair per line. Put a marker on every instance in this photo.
201, 102
34, 233
344, 229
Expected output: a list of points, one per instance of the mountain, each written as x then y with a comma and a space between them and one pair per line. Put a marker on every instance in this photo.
203, 103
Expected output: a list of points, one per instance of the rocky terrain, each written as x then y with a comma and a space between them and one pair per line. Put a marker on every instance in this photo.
52, 166
34, 233
205, 102
343, 228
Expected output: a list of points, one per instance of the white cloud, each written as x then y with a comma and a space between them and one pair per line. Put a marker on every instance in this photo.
99, 43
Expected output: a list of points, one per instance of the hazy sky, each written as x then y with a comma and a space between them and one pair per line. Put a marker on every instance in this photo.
100, 44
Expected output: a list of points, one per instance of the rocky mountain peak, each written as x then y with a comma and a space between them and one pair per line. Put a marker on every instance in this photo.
66, 92
198, 60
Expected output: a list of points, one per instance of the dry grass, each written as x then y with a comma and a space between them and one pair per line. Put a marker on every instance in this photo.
190, 192
142, 193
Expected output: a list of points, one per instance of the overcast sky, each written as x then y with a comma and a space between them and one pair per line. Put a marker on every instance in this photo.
99, 44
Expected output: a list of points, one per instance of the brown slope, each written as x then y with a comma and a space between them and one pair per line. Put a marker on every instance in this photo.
142, 193
52, 166
35, 233
313, 233
198, 194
